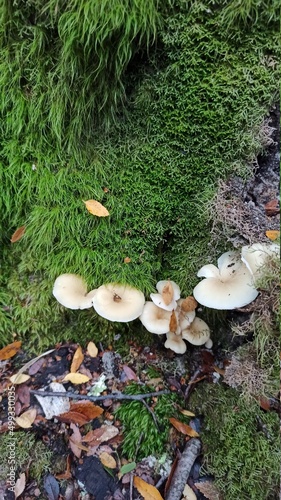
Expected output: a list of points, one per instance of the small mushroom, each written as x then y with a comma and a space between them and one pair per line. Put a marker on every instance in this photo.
175, 343
117, 302
228, 286
198, 333
256, 256
155, 319
168, 294
70, 290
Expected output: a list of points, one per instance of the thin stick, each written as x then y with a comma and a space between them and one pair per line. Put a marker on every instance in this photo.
183, 468
152, 414
117, 395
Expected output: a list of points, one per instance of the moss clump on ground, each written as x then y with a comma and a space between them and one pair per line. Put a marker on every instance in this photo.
195, 106
240, 445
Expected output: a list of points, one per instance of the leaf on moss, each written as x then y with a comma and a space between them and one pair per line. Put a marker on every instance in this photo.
183, 428
77, 360
148, 491
18, 234
10, 350
96, 208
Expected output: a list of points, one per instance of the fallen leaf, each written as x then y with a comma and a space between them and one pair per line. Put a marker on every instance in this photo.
74, 439
148, 491
130, 374
76, 378
23, 393
18, 234
127, 260
92, 349
209, 490
188, 493
107, 460
19, 378
77, 360
96, 208
97, 436
187, 413
26, 419
126, 468
168, 293
183, 428
10, 350
36, 366
272, 235
189, 304
67, 474
20, 485
51, 487
81, 413
173, 325
272, 207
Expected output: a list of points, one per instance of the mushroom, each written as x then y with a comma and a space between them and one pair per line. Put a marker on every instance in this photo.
255, 256
198, 333
228, 286
155, 319
186, 311
117, 302
70, 290
175, 343
168, 294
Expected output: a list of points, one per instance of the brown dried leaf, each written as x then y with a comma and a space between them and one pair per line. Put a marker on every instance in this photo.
92, 349
168, 293
209, 490
148, 491
104, 433
96, 208
272, 207
18, 234
127, 260
26, 419
10, 350
77, 360
107, 460
87, 408
76, 378
189, 304
73, 417
67, 474
74, 440
173, 322
20, 485
183, 428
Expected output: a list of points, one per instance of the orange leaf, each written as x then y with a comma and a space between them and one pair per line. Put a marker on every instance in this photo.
168, 293
96, 208
189, 304
77, 360
148, 491
183, 428
18, 234
86, 408
272, 235
173, 322
127, 260
76, 378
10, 350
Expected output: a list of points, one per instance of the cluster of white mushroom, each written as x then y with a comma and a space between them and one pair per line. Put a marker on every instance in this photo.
228, 286
169, 314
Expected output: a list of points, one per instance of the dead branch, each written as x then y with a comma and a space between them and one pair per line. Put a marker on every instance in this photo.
115, 395
183, 468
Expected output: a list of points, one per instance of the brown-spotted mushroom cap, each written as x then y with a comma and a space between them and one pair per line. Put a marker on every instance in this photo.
70, 290
228, 286
168, 294
155, 319
255, 256
185, 316
198, 333
175, 343
117, 302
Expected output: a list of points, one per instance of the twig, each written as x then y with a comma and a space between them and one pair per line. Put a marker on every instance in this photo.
117, 395
152, 414
183, 468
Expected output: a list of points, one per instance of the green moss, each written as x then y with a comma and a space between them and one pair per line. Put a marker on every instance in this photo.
241, 443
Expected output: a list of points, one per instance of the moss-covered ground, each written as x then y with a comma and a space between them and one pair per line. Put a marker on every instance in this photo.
147, 129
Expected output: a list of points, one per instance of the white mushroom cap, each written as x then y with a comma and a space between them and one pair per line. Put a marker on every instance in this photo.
175, 343
227, 287
168, 294
70, 290
256, 255
155, 319
117, 302
198, 333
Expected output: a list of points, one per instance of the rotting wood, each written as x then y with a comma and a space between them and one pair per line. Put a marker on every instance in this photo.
190, 453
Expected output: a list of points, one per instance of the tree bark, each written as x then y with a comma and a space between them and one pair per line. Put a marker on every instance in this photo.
181, 474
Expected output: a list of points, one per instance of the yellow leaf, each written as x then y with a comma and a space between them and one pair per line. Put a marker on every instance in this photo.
10, 350
76, 378
148, 491
19, 378
272, 235
26, 419
187, 413
107, 460
92, 349
18, 234
77, 360
96, 208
